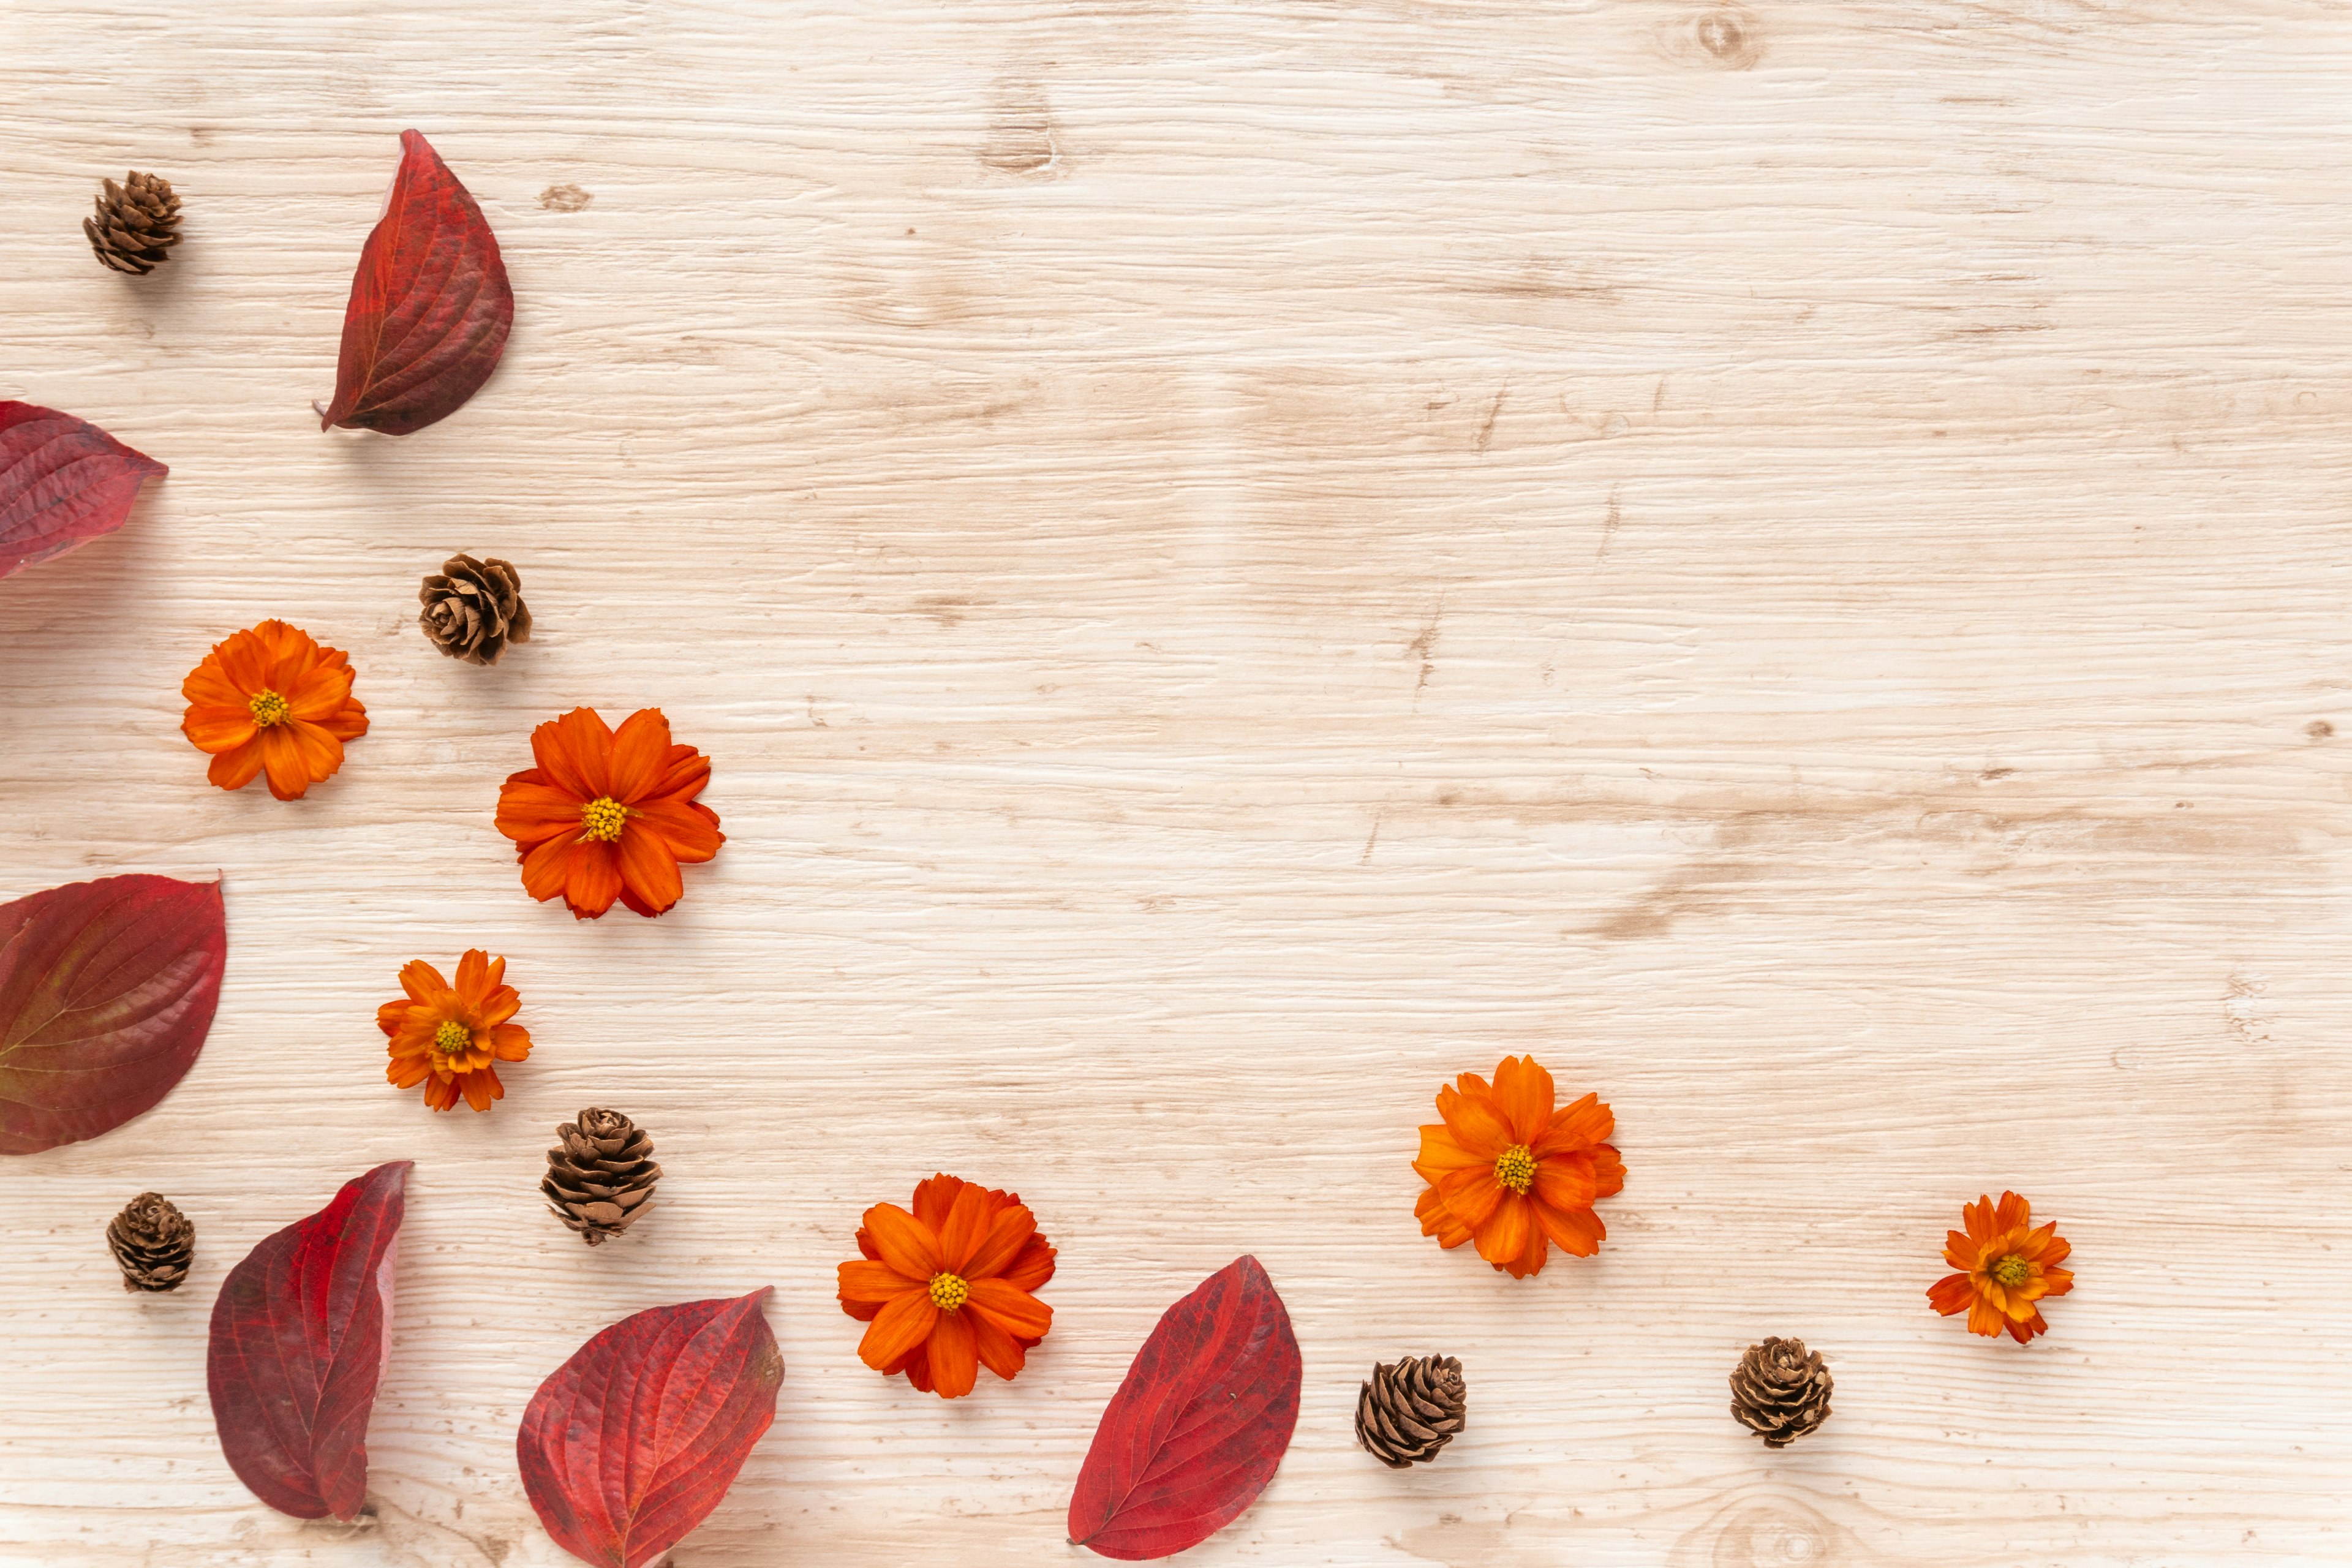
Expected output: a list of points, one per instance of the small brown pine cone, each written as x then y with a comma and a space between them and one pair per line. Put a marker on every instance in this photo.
153, 1243
474, 608
1408, 1411
137, 223
601, 1174
1780, 1392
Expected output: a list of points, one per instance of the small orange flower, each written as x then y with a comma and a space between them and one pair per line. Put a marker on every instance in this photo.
447, 1037
608, 815
272, 700
947, 1288
1504, 1167
2006, 1266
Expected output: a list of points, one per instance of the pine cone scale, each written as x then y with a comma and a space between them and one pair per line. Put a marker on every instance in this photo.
136, 224
1407, 1412
153, 1243
1781, 1392
473, 609
600, 1175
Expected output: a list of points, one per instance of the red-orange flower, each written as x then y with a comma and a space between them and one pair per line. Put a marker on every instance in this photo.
947, 1288
1506, 1168
608, 815
447, 1037
272, 700
2006, 1266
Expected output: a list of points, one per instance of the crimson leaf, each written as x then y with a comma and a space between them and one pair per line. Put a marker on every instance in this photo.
430, 305
631, 1443
107, 991
63, 482
1195, 1432
299, 1341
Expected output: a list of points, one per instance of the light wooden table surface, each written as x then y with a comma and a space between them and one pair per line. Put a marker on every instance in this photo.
1235, 560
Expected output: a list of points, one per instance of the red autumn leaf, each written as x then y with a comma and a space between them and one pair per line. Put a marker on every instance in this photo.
1195, 1432
299, 1337
430, 305
631, 1443
63, 482
107, 991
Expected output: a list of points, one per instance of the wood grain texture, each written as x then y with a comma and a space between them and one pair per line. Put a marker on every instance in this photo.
1236, 558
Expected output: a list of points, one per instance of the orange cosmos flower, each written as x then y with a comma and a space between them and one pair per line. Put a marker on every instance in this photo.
608, 815
947, 1288
1506, 1168
272, 700
446, 1036
2006, 1266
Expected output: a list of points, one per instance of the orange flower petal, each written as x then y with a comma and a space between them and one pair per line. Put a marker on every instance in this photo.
1566, 1182
1575, 1231
1984, 1318
1579, 1126
208, 685
576, 750
955, 1359
1523, 1098
1503, 1234
690, 831
1952, 1293
1000, 1353
1439, 1151
649, 870
876, 1282
530, 811
218, 728
898, 1329
1475, 1123
994, 1253
510, 1042
281, 762
935, 1195
481, 1088
1033, 1268
473, 975
906, 1242
639, 750
1012, 1308
591, 880
1472, 1195
235, 770
547, 866
422, 980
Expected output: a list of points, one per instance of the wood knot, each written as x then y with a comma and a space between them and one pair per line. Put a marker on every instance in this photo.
565, 199
1727, 36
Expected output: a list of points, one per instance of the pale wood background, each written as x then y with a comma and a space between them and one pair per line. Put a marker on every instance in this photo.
1235, 560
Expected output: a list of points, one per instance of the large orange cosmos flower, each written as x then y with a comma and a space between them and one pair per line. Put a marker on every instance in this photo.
1506, 1168
2006, 1266
447, 1037
272, 700
947, 1288
608, 815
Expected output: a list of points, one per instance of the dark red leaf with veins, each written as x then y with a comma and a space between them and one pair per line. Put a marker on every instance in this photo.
630, 1444
1197, 1429
299, 1337
107, 992
430, 305
63, 482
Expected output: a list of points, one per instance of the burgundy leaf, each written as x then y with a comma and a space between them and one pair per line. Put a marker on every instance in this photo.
429, 308
299, 1337
631, 1443
107, 991
1195, 1432
63, 482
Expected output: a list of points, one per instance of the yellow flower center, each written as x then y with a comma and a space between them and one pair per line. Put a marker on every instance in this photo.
453, 1039
268, 707
601, 819
2011, 1272
1517, 1169
949, 1291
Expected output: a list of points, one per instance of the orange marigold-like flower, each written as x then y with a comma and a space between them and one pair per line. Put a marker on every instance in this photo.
608, 815
272, 700
947, 1288
2006, 1266
1506, 1168
447, 1037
